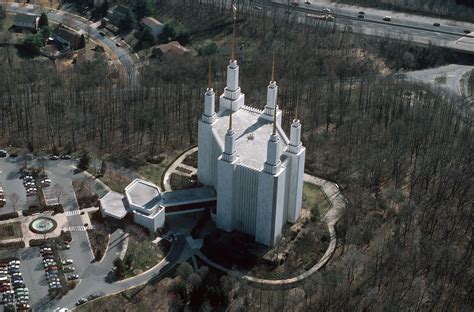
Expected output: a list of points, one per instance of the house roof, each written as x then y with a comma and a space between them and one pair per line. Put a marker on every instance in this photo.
173, 47
121, 9
151, 22
65, 34
25, 18
114, 205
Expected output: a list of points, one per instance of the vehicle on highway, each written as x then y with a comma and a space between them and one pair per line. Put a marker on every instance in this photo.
295, 2
467, 31
81, 301
361, 12
101, 33
54, 157
326, 10
324, 17
436, 24
66, 157
387, 18
361, 16
307, 2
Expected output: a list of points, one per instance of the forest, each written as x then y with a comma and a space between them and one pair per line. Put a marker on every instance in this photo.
401, 152
460, 10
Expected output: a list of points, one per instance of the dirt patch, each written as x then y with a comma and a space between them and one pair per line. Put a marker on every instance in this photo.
10, 230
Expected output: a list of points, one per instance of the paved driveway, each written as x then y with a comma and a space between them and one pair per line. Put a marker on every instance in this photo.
11, 183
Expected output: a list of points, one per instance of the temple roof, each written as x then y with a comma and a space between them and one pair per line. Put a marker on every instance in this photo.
253, 133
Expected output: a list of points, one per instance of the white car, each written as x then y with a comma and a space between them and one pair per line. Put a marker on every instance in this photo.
68, 261
326, 10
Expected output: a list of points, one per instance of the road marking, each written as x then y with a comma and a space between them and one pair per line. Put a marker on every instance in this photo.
72, 213
79, 228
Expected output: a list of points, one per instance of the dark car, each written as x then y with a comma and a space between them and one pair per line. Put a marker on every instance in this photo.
436, 24
467, 31
3, 153
94, 296
361, 16
361, 13
65, 156
81, 301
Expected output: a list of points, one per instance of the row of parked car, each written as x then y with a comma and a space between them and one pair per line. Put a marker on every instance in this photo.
52, 266
12, 287
3, 201
30, 184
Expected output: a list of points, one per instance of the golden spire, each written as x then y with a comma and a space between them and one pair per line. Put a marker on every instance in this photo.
296, 111
234, 10
209, 83
273, 68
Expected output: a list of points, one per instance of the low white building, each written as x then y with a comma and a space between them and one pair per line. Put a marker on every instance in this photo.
149, 205
155, 26
144, 199
29, 21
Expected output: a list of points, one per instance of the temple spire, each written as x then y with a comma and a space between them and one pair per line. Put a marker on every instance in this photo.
230, 117
296, 111
209, 82
234, 10
274, 123
273, 68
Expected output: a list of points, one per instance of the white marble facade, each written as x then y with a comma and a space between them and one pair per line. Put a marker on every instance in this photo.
256, 170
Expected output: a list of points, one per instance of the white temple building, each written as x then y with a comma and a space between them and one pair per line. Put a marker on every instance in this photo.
256, 170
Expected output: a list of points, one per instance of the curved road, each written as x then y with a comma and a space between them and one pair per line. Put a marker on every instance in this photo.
97, 272
82, 25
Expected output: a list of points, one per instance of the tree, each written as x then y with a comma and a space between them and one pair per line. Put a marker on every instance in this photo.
33, 43
104, 8
103, 168
58, 191
84, 161
146, 38
15, 201
143, 8
2, 13
185, 270
43, 20
119, 271
127, 22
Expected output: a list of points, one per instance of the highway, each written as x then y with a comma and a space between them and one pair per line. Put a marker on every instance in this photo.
419, 29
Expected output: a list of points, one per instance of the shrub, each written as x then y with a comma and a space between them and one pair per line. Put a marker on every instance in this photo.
8, 216
11, 245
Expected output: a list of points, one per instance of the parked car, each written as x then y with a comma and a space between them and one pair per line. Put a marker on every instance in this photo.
436, 24
73, 276
68, 261
81, 301
467, 31
3, 153
65, 156
326, 10
361, 13
54, 157
94, 296
68, 269
361, 16
387, 18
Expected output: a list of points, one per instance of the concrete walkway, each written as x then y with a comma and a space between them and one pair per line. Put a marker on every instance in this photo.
331, 217
173, 169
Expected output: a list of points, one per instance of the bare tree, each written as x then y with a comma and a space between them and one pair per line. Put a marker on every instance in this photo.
15, 201
58, 191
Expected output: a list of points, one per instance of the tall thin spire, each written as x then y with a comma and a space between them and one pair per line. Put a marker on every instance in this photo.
234, 10
230, 117
274, 122
209, 83
273, 68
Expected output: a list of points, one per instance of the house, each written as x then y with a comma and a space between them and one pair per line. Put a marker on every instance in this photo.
171, 48
155, 26
117, 14
68, 38
28, 21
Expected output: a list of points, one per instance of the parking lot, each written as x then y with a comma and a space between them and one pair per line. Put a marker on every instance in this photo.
13, 290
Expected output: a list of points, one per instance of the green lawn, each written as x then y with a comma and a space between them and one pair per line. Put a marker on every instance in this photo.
10, 230
152, 172
313, 198
141, 256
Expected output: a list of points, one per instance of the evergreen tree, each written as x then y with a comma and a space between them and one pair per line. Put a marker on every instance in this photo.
43, 20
